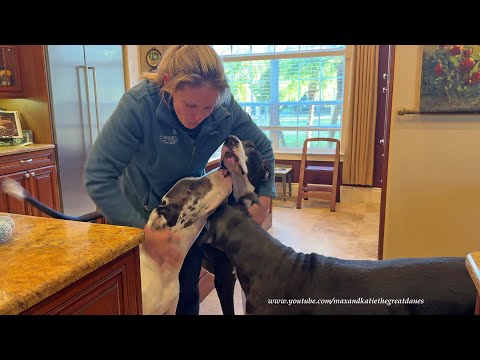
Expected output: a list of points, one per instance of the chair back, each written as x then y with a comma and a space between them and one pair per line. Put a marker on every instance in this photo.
303, 189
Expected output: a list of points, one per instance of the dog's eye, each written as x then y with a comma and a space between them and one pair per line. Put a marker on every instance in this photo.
190, 189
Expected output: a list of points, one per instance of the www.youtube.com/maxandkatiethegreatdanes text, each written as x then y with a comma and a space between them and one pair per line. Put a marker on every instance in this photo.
331, 301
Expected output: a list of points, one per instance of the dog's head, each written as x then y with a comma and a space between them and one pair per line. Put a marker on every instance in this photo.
190, 199
243, 158
233, 156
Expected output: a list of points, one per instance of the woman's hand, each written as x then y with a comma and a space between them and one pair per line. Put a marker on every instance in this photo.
163, 246
259, 212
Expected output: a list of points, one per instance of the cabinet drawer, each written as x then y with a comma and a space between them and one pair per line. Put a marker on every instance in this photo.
26, 161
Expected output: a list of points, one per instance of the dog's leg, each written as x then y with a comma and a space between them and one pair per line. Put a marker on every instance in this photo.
224, 279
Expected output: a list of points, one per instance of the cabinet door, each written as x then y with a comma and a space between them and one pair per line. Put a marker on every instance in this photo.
74, 122
10, 76
106, 81
8, 203
43, 186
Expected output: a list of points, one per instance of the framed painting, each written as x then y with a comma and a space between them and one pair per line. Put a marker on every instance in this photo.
10, 125
450, 79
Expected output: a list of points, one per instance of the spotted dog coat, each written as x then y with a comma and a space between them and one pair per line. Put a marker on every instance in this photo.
248, 170
269, 271
184, 209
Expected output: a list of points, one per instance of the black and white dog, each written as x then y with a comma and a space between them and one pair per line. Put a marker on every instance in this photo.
184, 210
278, 280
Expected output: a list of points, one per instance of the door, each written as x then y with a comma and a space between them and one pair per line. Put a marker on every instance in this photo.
86, 83
106, 81
43, 187
10, 204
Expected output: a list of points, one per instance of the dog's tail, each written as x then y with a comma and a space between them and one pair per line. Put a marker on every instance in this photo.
15, 190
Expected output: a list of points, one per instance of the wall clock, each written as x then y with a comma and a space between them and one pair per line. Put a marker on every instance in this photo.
153, 58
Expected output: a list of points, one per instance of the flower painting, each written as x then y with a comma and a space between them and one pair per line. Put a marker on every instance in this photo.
450, 78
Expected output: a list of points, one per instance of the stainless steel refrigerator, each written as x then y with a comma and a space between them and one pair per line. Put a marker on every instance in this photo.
86, 83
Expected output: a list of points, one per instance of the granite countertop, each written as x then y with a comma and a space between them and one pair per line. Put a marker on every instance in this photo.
45, 255
17, 149
473, 266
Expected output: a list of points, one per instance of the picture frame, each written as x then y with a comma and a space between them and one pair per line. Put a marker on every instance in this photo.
10, 126
450, 80
153, 58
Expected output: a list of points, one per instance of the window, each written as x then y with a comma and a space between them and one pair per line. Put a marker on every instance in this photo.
292, 92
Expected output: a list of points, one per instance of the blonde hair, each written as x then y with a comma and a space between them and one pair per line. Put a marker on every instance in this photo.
190, 65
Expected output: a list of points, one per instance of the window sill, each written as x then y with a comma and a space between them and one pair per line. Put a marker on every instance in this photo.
294, 155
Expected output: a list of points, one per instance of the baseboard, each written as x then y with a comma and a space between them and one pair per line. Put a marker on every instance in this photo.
347, 193
360, 194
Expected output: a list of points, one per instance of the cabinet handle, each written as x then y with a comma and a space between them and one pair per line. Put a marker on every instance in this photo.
96, 98
26, 161
27, 175
89, 111
32, 173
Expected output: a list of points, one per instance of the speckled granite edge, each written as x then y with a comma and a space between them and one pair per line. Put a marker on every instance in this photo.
46, 255
12, 150
473, 265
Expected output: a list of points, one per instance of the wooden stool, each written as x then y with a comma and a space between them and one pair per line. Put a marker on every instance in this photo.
318, 190
285, 173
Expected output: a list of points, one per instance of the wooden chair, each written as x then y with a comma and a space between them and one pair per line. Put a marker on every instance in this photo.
318, 190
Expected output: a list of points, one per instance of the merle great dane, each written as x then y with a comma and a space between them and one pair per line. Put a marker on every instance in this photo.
257, 171
278, 280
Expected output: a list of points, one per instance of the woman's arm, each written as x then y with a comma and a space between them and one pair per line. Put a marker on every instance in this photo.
112, 151
245, 129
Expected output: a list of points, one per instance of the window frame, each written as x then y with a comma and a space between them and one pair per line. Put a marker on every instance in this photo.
347, 52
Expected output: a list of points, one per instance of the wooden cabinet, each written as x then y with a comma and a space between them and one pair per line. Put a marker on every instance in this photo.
37, 173
113, 289
10, 74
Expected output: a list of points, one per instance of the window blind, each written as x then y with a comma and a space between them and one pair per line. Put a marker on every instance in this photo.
292, 92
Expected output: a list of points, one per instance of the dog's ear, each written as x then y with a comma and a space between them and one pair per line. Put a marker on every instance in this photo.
266, 169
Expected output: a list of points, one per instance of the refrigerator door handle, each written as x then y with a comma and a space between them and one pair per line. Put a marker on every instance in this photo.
88, 103
96, 97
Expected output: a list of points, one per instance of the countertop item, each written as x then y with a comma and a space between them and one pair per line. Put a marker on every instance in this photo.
473, 265
18, 149
45, 255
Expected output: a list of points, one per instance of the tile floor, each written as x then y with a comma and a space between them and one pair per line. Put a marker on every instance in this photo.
351, 232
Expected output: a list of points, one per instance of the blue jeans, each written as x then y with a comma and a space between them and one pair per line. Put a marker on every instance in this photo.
189, 298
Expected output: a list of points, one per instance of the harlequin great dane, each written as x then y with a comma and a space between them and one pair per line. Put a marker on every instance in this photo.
278, 280
184, 209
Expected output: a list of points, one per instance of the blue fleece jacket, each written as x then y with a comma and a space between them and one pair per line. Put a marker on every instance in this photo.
143, 149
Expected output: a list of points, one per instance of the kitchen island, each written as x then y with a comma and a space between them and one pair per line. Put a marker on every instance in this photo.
52, 266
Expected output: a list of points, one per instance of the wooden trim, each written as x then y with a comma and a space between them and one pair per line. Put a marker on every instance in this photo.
388, 120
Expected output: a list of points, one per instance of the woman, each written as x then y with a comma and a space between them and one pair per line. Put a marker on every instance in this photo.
164, 129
